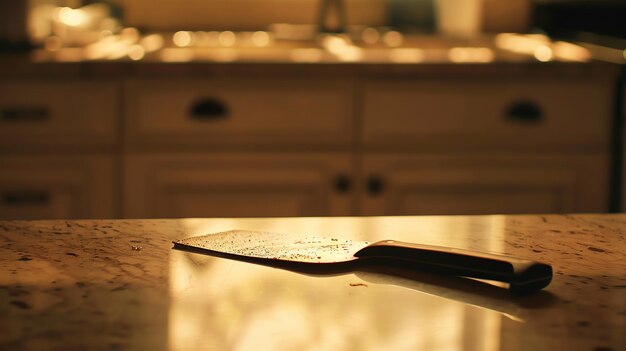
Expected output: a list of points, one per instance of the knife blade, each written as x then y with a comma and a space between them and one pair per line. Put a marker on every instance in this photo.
310, 251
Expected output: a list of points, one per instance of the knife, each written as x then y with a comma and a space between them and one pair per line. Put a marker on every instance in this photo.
311, 252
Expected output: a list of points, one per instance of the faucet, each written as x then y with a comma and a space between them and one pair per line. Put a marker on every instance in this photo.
332, 16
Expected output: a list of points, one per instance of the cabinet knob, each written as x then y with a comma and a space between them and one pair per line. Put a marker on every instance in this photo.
208, 109
342, 184
24, 114
25, 197
375, 185
524, 111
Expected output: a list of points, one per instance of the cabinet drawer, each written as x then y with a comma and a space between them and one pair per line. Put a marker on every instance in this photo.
239, 111
57, 187
516, 113
50, 113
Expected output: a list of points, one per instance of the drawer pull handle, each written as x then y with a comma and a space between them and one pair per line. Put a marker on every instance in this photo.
24, 114
17, 198
375, 185
524, 111
208, 109
342, 184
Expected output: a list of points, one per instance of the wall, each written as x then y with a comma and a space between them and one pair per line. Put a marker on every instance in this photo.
239, 14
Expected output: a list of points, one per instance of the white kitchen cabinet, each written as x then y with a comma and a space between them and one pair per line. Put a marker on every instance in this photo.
58, 187
236, 185
401, 184
196, 141
497, 144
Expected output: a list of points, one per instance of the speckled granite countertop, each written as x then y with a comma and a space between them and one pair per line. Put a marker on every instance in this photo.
117, 284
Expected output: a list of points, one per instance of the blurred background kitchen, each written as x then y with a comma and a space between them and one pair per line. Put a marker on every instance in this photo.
236, 108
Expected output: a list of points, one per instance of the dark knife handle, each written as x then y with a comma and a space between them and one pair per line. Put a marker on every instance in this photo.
522, 275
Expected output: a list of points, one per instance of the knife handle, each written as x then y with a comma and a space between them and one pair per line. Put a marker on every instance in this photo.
522, 275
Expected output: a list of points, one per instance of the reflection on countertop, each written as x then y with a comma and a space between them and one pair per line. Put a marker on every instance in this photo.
118, 284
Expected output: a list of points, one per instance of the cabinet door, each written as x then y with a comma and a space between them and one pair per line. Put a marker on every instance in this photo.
57, 187
463, 184
235, 185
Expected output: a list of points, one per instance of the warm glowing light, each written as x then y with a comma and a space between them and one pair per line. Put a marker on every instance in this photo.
571, 52
72, 17
118, 51
227, 38
406, 55
136, 52
502, 40
69, 55
113, 47
201, 38
543, 53
306, 55
470, 54
538, 37
212, 37
350, 53
604, 53
334, 44
393, 38
370, 36
130, 33
109, 23
260, 39
529, 44
176, 55
225, 55
458, 55
105, 33
101, 48
342, 48
152, 42
483, 55
182, 39
53, 43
